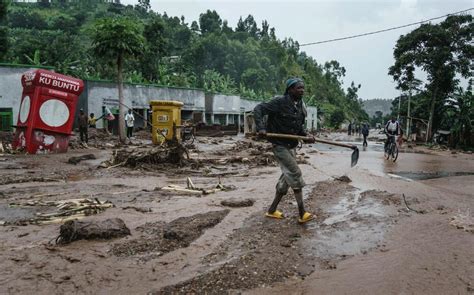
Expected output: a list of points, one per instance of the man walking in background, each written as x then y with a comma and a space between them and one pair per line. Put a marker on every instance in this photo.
365, 133
83, 122
286, 114
129, 121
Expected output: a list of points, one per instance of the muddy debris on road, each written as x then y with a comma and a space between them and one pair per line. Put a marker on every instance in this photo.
156, 238
74, 230
264, 251
235, 203
58, 211
78, 159
147, 156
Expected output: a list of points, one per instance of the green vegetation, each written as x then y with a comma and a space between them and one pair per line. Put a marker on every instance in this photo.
445, 53
3, 29
210, 54
116, 39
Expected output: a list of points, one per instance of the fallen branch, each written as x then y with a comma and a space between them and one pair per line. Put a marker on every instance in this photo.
66, 209
410, 209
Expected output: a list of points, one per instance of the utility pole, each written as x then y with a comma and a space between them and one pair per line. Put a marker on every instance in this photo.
399, 101
408, 112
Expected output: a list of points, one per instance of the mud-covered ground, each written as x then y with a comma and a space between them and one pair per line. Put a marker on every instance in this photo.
383, 227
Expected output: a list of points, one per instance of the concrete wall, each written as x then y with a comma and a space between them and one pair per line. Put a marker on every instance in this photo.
138, 96
11, 89
225, 108
247, 105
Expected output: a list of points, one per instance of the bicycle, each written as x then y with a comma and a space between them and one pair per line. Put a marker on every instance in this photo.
391, 150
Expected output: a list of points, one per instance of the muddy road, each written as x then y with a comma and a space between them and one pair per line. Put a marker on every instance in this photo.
366, 238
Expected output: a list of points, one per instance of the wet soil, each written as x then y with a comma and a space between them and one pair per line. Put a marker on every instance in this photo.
157, 238
264, 250
363, 240
430, 175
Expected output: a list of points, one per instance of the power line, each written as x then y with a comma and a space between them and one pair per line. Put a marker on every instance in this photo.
384, 30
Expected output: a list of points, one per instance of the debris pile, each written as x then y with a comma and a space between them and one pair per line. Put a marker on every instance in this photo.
98, 138
65, 209
192, 189
74, 230
6, 138
252, 147
142, 134
245, 152
5, 148
140, 156
265, 159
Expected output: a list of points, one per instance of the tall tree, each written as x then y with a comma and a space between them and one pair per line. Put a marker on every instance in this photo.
461, 109
3, 29
442, 51
210, 22
118, 38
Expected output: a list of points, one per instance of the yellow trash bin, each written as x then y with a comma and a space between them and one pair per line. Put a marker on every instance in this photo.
166, 118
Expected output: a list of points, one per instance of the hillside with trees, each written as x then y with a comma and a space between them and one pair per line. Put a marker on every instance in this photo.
371, 106
246, 59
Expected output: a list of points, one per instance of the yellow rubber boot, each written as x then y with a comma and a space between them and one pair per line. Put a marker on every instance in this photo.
306, 217
277, 214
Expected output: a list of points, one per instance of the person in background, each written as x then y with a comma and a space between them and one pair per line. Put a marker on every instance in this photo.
365, 133
413, 132
130, 122
392, 129
286, 114
83, 122
349, 129
92, 121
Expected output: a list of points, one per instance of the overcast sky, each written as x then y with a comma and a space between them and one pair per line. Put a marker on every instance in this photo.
366, 59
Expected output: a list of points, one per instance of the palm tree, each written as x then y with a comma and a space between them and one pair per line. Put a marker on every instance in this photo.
118, 38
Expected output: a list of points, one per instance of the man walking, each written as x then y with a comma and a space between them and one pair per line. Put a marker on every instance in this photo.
286, 114
130, 121
83, 122
365, 133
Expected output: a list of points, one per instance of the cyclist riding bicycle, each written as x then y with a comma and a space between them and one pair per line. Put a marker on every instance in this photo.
392, 129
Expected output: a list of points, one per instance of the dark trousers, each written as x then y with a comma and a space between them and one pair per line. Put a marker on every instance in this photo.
365, 140
83, 134
390, 137
129, 132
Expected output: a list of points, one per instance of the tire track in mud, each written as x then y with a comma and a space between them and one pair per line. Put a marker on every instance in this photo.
265, 251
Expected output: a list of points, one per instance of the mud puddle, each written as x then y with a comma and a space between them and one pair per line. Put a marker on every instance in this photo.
265, 251
354, 222
19, 215
429, 175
